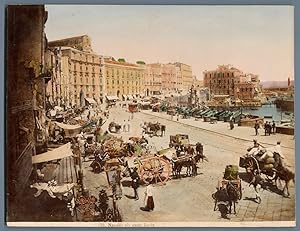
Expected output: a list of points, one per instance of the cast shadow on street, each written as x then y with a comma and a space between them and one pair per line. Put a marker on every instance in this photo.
267, 185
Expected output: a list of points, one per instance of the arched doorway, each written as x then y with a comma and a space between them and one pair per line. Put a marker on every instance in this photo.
147, 92
118, 93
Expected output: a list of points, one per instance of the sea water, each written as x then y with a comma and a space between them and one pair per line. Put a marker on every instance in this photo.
270, 110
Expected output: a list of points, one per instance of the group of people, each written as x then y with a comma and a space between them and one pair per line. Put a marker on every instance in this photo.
126, 126
268, 127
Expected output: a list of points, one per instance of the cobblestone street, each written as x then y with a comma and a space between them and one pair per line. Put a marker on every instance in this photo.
190, 198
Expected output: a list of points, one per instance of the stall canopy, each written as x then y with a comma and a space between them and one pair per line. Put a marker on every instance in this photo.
110, 98
129, 97
67, 126
124, 96
58, 153
90, 100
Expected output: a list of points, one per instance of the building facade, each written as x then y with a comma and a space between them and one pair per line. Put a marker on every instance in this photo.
184, 76
26, 43
123, 78
78, 76
227, 80
82, 43
153, 79
167, 78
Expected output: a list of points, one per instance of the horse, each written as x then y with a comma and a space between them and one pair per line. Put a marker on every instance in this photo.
189, 163
287, 175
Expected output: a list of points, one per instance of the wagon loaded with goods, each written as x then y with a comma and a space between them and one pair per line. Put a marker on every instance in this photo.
254, 165
178, 139
229, 188
153, 169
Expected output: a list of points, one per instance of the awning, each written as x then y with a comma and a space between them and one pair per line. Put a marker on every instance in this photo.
91, 100
58, 153
129, 97
67, 126
57, 108
124, 96
113, 97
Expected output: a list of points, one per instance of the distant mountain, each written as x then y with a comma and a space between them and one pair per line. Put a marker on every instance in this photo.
269, 84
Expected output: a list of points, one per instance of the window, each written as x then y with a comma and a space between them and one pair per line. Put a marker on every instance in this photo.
87, 80
93, 81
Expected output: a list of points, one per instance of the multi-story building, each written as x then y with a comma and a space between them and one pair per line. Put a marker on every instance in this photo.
82, 43
153, 79
184, 77
227, 80
81, 77
167, 78
53, 59
123, 79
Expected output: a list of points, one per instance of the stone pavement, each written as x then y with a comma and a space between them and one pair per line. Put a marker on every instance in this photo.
189, 199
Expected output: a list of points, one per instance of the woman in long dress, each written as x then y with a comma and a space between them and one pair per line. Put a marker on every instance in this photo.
149, 198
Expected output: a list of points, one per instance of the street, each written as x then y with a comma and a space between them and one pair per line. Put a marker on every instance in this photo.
190, 198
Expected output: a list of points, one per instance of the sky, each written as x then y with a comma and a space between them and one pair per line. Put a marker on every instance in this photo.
254, 39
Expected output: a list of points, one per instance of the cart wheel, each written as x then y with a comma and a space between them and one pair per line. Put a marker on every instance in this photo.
155, 170
251, 167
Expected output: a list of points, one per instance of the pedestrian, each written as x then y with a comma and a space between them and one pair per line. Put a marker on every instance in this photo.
128, 126
163, 130
177, 117
124, 126
231, 124
149, 202
171, 116
131, 115
266, 127
135, 182
273, 127
256, 127
269, 128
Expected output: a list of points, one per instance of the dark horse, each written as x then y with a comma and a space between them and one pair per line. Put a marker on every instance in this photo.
229, 194
190, 165
285, 174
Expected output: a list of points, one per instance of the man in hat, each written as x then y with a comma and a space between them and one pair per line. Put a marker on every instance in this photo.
256, 127
135, 182
255, 149
278, 156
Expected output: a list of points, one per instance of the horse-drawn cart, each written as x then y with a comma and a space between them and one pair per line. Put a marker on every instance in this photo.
229, 188
254, 166
151, 168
